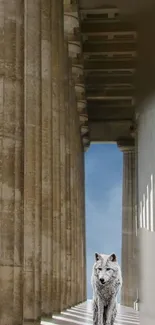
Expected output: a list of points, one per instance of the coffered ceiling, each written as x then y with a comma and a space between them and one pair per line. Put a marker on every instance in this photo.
112, 47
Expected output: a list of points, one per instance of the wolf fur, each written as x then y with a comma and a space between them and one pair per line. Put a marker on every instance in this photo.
106, 281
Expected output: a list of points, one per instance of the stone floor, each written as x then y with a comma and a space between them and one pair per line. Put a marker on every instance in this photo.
82, 315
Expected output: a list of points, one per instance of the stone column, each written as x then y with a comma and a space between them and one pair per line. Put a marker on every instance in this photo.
81, 276
83, 230
136, 247
32, 164
47, 206
79, 142
68, 177
73, 193
63, 176
128, 223
79, 239
78, 149
11, 161
78, 279
57, 147
55, 77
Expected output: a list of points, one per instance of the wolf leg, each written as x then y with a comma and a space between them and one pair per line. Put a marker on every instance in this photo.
113, 315
110, 313
104, 315
95, 313
100, 312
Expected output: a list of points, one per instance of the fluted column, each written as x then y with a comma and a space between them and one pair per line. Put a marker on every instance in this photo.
128, 223
78, 227
81, 276
78, 152
32, 164
78, 276
68, 178
79, 142
57, 144
63, 178
73, 193
11, 161
47, 206
137, 247
136, 241
83, 230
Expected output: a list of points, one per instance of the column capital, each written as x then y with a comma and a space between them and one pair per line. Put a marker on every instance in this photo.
72, 29
126, 145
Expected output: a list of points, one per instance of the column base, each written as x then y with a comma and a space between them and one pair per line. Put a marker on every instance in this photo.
32, 321
47, 317
136, 305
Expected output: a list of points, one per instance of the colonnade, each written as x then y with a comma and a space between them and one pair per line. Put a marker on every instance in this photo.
146, 209
129, 218
43, 135
42, 217
138, 214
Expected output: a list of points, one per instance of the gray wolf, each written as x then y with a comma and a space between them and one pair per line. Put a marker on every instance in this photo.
106, 281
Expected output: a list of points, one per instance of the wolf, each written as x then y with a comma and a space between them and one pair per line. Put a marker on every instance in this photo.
106, 281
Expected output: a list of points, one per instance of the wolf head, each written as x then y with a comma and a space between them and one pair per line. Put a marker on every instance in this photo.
106, 268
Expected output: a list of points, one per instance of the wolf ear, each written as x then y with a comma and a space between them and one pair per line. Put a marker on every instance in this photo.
113, 258
97, 256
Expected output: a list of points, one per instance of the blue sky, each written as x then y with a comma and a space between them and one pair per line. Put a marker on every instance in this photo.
103, 180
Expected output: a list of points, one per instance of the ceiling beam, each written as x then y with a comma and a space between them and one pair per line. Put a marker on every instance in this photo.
105, 97
99, 112
110, 65
94, 78
97, 11
109, 131
105, 13
102, 28
117, 103
105, 86
127, 37
94, 87
112, 47
95, 92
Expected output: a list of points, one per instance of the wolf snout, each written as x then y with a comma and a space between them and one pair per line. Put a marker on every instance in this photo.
102, 281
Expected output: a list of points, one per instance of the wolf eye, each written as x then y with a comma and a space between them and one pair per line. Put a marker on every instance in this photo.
100, 269
108, 269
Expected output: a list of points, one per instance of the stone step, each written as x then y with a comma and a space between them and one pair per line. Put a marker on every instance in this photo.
82, 315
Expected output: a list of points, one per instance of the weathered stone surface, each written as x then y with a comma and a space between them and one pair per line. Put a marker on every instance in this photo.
63, 134
41, 171
68, 185
57, 108
128, 225
47, 207
146, 212
72, 192
32, 165
11, 161
77, 206
83, 296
